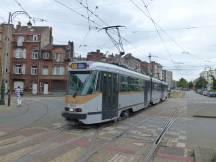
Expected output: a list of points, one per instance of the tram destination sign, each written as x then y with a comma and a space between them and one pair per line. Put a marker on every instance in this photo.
78, 66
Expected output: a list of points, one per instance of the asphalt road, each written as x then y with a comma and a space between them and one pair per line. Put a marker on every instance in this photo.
36, 132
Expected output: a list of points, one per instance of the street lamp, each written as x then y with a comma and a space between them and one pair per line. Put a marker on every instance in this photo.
7, 56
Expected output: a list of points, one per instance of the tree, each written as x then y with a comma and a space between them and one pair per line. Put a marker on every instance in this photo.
201, 83
182, 83
190, 85
214, 82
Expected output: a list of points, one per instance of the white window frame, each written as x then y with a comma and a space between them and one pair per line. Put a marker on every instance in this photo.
18, 69
20, 40
46, 55
35, 38
45, 71
58, 70
34, 70
57, 57
19, 53
35, 54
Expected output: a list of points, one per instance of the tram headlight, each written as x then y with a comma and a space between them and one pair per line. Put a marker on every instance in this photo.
71, 109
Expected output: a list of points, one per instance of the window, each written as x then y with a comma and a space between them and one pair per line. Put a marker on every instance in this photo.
131, 84
20, 40
81, 83
34, 70
45, 71
46, 55
20, 53
123, 83
58, 70
34, 54
58, 57
19, 69
35, 38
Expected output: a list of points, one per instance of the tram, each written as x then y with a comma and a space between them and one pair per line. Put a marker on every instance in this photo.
98, 92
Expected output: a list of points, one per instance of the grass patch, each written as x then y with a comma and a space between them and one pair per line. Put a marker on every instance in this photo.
176, 94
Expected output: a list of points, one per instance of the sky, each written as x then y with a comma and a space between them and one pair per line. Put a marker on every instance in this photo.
179, 34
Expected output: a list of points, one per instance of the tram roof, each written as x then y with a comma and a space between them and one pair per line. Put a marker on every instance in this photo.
93, 65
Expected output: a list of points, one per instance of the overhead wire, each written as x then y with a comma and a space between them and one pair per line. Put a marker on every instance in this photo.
156, 29
169, 36
78, 13
87, 8
157, 26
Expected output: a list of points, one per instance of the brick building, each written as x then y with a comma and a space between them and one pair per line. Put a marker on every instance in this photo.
156, 70
38, 66
96, 56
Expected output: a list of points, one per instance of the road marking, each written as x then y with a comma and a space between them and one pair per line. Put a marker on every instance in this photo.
57, 125
121, 158
183, 145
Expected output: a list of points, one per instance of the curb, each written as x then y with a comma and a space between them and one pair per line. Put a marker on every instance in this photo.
204, 116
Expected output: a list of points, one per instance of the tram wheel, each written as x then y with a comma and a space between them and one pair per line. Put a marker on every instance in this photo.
124, 115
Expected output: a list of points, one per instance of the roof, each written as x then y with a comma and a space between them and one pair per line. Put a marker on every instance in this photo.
112, 68
33, 29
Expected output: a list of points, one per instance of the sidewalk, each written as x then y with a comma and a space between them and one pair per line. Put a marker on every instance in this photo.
207, 112
6, 107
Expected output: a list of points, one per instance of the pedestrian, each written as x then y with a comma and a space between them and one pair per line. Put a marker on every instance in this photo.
18, 96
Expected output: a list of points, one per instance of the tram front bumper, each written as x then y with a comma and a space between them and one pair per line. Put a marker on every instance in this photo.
73, 116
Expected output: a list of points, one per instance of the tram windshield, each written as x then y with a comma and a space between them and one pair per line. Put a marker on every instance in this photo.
81, 83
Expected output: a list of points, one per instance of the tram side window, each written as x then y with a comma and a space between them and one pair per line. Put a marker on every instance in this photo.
123, 83
134, 84
99, 82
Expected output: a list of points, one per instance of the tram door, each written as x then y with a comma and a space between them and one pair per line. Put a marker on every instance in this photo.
146, 93
109, 95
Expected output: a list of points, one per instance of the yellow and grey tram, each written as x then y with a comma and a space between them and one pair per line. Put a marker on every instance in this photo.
99, 92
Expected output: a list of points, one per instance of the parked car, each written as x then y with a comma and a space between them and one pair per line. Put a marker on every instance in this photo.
205, 93
211, 94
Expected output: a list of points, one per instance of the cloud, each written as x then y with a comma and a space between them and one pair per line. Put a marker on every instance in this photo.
189, 23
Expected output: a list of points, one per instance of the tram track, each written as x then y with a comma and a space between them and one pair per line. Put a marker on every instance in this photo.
91, 149
165, 126
164, 129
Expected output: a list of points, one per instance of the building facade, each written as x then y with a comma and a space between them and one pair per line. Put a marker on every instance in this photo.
38, 66
168, 78
156, 70
207, 75
96, 56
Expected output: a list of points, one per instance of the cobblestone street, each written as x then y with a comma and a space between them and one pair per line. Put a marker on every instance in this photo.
36, 132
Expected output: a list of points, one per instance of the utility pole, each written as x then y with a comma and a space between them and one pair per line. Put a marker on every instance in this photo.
151, 75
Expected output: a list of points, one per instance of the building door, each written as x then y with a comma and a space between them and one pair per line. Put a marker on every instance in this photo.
34, 88
109, 95
46, 88
18, 84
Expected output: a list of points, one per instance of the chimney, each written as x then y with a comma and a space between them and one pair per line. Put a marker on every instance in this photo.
97, 51
18, 26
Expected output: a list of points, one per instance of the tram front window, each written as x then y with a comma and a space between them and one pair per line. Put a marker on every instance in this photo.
81, 83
